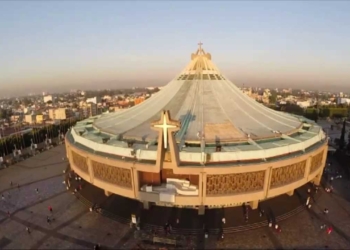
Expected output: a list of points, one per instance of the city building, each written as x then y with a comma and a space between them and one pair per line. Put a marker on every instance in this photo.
16, 118
90, 109
94, 100
47, 98
30, 119
41, 118
342, 100
60, 114
304, 104
221, 148
139, 100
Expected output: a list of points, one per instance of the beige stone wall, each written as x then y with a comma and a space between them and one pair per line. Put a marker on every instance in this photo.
218, 186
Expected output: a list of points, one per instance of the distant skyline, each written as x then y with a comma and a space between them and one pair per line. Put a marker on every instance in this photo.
60, 45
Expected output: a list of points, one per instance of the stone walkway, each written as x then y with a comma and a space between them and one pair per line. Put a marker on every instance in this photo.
76, 228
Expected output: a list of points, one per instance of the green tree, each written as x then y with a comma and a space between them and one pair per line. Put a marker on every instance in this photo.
2, 113
273, 97
342, 136
5, 114
26, 102
348, 146
315, 115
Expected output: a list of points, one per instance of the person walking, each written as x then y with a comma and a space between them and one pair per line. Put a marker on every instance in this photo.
2, 197
307, 201
261, 211
48, 220
278, 228
37, 190
28, 230
50, 209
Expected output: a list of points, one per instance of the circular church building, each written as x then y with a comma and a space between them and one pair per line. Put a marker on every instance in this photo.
199, 142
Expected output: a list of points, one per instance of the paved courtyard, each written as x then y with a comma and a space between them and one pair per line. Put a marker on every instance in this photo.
74, 227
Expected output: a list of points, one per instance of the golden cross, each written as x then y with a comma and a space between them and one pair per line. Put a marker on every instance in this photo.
165, 126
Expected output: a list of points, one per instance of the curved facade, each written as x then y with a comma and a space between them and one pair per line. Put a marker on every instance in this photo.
221, 149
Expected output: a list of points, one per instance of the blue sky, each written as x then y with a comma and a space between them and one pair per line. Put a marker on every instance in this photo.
59, 45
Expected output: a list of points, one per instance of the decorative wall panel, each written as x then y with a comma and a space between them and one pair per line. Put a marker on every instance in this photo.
235, 183
316, 162
80, 162
111, 174
288, 174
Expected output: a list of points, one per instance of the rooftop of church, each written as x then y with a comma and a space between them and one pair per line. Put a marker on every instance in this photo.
212, 112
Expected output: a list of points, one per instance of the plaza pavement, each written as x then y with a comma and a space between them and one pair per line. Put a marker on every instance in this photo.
76, 228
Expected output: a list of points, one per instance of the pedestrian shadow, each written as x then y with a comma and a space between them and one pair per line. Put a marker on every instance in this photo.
340, 196
244, 210
301, 197
327, 222
270, 215
200, 240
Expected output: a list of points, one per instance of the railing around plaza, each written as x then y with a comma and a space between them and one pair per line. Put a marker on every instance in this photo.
164, 241
14, 157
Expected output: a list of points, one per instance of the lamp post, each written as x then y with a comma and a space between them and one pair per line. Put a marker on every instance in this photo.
32, 146
15, 151
46, 140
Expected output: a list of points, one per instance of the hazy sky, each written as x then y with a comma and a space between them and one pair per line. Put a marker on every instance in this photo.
60, 45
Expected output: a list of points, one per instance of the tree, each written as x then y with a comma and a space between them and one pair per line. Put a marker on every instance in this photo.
26, 102
315, 115
273, 97
3, 113
342, 136
292, 108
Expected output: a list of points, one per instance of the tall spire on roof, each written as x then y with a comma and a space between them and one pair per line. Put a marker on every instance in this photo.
200, 50
200, 62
